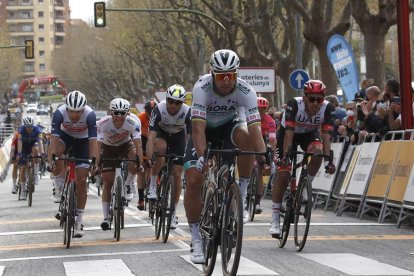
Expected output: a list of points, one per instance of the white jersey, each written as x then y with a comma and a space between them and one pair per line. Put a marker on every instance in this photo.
217, 110
161, 119
85, 127
112, 136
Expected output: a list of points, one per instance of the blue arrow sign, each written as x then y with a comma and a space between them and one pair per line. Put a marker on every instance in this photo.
298, 78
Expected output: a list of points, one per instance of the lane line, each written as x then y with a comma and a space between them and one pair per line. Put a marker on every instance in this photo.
97, 267
2, 270
352, 264
91, 255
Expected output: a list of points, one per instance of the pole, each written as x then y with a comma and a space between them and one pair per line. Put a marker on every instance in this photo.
404, 49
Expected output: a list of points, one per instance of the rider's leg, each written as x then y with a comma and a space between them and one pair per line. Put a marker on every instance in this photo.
160, 148
108, 180
36, 163
315, 162
81, 174
192, 200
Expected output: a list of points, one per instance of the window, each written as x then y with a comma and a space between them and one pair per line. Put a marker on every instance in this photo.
26, 15
41, 53
41, 28
40, 1
41, 40
42, 67
41, 14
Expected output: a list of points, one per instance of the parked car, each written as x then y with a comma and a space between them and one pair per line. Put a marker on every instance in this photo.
42, 110
31, 108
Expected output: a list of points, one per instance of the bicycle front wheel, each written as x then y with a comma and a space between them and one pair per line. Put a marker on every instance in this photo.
232, 230
168, 206
286, 217
30, 186
251, 194
158, 206
70, 214
303, 209
117, 208
209, 228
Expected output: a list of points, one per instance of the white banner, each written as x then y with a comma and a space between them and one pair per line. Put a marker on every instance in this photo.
409, 192
262, 79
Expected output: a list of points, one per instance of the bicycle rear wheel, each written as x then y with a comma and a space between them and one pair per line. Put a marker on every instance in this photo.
117, 208
251, 194
168, 207
303, 211
30, 186
209, 228
232, 231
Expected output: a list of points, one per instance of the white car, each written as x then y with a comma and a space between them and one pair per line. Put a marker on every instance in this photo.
31, 108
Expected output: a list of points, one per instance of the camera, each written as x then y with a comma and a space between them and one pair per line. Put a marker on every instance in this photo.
396, 100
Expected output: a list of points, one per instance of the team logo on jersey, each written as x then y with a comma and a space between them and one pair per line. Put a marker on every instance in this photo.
253, 110
222, 108
244, 89
207, 87
152, 119
181, 116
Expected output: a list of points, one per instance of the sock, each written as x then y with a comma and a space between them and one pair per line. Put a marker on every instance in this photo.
153, 183
244, 182
276, 211
105, 210
141, 194
58, 182
195, 232
14, 181
310, 178
130, 179
79, 215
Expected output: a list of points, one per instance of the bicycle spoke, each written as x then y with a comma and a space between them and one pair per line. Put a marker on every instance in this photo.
303, 209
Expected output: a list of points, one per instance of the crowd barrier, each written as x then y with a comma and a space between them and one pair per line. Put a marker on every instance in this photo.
5, 157
373, 178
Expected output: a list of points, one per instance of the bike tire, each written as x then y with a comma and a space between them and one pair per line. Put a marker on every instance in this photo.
232, 231
71, 213
118, 207
158, 206
19, 191
252, 194
30, 187
209, 228
286, 216
168, 207
303, 213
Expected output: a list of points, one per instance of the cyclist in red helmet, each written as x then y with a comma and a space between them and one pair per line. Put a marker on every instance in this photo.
268, 127
307, 122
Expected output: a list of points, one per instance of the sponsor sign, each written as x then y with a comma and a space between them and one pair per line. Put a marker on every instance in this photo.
262, 79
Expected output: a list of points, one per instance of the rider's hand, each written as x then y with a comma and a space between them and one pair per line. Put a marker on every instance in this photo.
140, 169
200, 164
329, 167
285, 162
150, 164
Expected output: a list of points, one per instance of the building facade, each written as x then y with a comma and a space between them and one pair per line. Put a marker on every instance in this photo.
43, 21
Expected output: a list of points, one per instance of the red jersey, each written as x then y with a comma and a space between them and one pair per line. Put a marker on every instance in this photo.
268, 126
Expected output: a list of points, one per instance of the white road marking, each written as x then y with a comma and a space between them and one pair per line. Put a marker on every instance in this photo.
352, 264
2, 270
246, 267
92, 255
97, 267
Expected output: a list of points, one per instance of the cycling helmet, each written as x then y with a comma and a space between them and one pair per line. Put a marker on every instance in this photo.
262, 102
150, 105
315, 87
75, 101
176, 92
28, 121
119, 104
224, 60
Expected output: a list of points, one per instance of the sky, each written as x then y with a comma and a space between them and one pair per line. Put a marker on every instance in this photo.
82, 9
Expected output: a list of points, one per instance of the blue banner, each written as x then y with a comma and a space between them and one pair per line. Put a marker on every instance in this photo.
343, 61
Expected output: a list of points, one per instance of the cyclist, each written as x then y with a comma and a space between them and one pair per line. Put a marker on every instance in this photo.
29, 143
13, 158
308, 122
169, 125
268, 126
114, 141
144, 117
73, 127
218, 98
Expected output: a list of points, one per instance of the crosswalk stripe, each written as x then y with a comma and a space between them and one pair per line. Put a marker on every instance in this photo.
98, 267
352, 264
246, 267
2, 270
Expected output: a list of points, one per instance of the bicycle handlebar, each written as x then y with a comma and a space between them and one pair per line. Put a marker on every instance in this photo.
307, 154
121, 159
72, 159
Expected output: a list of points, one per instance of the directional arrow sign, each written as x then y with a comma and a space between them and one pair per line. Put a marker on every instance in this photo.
298, 78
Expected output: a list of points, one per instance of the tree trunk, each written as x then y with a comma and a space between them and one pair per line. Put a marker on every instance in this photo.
328, 75
374, 45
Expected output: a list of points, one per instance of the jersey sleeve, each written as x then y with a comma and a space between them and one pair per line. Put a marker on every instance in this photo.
329, 118
290, 113
188, 121
136, 133
199, 105
250, 107
56, 123
91, 123
155, 119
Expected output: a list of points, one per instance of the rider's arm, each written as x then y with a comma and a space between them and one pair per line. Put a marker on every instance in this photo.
327, 128
19, 144
287, 140
150, 143
152, 133
57, 120
198, 136
138, 148
289, 119
255, 135
92, 134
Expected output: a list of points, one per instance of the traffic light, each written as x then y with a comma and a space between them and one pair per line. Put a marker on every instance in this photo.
100, 18
29, 49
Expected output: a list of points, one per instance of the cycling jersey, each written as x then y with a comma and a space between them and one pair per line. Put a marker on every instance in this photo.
217, 110
296, 117
112, 136
85, 127
143, 117
268, 126
162, 120
29, 138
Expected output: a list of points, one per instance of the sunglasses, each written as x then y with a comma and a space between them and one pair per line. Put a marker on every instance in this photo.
119, 113
317, 99
174, 102
230, 76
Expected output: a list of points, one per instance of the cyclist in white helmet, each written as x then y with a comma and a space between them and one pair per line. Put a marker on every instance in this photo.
119, 136
169, 125
73, 127
224, 110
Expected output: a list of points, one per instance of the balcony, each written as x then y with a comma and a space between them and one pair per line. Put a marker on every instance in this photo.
13, 4
19, 18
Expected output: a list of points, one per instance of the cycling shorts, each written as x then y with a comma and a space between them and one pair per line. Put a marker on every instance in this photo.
115, 152
175, 142
79, 148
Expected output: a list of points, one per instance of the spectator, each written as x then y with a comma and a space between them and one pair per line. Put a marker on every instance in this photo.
340, 113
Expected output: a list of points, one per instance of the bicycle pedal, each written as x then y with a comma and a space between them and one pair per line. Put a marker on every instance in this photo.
58, 216
275, 236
